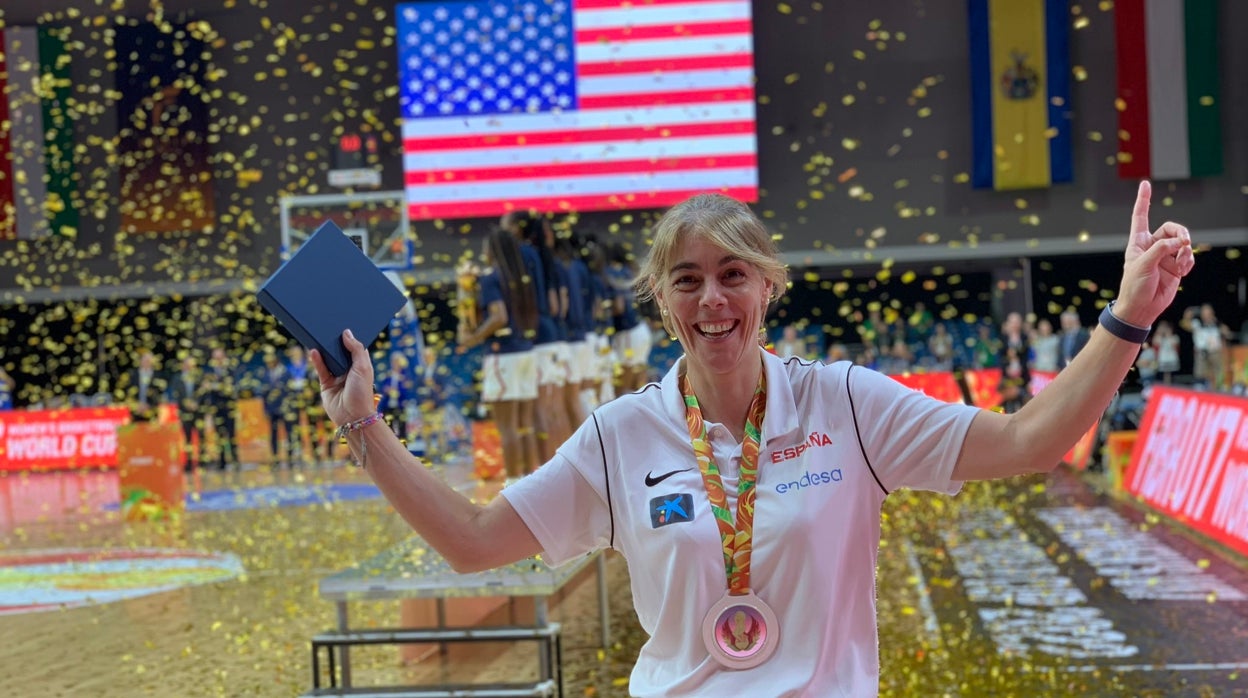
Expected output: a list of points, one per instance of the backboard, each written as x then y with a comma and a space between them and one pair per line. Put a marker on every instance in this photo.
377, 220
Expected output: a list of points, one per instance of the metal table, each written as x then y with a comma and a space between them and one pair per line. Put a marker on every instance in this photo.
412, 570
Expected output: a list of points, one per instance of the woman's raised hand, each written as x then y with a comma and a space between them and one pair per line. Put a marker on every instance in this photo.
349, 397
1155, 264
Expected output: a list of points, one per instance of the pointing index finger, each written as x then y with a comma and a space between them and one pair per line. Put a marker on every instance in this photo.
1139, 216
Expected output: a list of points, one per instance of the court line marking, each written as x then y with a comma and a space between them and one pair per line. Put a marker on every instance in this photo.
296, 572
1190, 666
930, 624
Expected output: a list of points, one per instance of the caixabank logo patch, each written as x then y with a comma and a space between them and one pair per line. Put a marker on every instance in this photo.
668, 509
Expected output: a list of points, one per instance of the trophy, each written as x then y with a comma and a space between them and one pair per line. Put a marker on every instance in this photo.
466, 294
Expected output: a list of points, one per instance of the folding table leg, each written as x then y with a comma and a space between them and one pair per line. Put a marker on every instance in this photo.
316, 666
540, 611
333, 669
441, 606
559, 662
604, 613
344, 651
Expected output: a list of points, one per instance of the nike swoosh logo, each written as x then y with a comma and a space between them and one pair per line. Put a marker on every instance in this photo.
652, 481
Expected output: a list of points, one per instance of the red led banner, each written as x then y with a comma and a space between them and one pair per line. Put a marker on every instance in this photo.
1191, 462
56, 439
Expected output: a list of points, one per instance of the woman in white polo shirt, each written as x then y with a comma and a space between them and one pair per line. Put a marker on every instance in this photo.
745, 490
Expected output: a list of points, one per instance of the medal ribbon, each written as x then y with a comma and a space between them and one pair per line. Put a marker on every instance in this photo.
737, 540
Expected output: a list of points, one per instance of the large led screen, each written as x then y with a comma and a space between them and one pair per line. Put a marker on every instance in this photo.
586, 105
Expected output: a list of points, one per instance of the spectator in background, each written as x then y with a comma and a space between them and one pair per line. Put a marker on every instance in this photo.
1209, 338
986, 350
899, 330
184, 393
1146, 365
1015, 386
898, 360
1166, 345
1014, 335
874, 331
868, 358
1045, 349
921, 321
397, 387
220, 393
7, 387
278, 407
1239, 381
836, 352
147, 388
1073, 338
439, 426
790, 343
1187, 350
940, 346
302, 389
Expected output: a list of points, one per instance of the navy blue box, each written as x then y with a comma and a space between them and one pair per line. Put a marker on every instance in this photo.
327, 286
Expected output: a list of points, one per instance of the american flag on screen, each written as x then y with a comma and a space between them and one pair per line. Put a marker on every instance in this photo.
561, 105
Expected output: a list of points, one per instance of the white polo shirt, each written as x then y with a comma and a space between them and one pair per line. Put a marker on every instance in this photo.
628, 474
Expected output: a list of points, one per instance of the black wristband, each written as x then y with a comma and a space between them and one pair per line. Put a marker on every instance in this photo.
1122, 330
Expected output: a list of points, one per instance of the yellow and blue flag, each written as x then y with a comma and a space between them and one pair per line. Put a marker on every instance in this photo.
1020, 93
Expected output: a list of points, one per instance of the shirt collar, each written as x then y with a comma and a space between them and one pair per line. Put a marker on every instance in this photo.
781, 417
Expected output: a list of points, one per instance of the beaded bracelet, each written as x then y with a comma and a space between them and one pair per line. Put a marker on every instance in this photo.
358, 425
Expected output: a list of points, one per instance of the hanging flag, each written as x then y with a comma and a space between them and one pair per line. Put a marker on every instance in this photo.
575, 104
1020, 93
1168, 124
36, 135
163, 150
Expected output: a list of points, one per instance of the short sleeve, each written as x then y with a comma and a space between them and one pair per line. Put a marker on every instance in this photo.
565, 502
561, 276
910, 439
491, 290
533, 265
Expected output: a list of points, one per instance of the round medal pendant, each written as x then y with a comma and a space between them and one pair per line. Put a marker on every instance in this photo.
740, 632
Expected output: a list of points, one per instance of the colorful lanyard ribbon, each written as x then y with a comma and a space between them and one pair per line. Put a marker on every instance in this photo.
737, 541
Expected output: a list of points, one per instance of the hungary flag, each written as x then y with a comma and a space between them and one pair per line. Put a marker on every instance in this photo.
1168, 89
36, 135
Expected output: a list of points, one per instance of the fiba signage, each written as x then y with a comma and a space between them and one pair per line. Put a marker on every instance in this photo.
49, 439
1191, 461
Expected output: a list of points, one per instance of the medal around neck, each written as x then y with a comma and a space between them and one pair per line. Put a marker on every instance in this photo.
740, 631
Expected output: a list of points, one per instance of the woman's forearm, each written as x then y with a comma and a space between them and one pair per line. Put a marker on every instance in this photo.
1055, 418
446, 519
1035, 438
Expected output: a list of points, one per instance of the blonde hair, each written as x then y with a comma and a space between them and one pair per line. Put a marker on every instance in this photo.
721, 220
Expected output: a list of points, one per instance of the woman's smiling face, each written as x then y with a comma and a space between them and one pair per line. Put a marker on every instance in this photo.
715, 303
